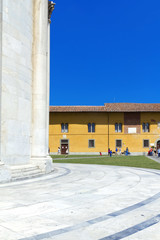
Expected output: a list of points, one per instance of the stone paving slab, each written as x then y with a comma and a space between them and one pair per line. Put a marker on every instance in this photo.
79, 202
155, 158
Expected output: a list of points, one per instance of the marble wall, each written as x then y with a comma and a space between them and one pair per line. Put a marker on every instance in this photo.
0, 68
16, 93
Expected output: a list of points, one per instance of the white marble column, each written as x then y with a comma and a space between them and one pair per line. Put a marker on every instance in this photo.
51, 5
5, 173
0, 71
48, 86
39, 142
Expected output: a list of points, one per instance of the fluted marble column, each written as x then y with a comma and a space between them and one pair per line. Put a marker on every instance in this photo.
0, 70
40, 108
51, 6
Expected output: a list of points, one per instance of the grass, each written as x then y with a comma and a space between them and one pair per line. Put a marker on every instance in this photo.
129, 161
72, 156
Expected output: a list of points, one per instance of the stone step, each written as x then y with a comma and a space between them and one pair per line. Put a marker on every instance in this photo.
22, 167
26, 177
25, 171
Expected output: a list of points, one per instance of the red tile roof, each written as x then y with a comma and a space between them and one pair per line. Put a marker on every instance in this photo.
132, 107
110, 107
77, 109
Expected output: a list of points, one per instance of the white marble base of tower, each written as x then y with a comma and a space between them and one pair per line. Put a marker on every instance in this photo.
23, 85
45, 164
5, 173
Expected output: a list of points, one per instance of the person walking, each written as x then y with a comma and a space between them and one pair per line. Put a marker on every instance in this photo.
155, 151
158, 152
116, 150
110, 153
59, 151
66, 155
119, 151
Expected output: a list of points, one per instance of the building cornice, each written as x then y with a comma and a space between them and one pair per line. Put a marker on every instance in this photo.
51, 6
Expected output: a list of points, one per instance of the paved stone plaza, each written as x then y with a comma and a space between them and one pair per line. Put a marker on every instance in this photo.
83, 202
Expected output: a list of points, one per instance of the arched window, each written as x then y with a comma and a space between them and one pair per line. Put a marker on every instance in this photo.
64, 127
145, 127
118, 127
91, 127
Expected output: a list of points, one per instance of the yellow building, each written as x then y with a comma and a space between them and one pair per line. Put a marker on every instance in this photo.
94, 129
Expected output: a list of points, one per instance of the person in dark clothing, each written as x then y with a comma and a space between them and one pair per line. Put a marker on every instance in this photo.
110, 153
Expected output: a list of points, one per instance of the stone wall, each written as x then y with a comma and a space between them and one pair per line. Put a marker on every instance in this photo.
16, 97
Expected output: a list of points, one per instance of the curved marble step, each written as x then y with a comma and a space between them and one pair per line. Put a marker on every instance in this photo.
25, 171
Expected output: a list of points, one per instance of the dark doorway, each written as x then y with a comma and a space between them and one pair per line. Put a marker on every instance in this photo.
158, 145
64, 147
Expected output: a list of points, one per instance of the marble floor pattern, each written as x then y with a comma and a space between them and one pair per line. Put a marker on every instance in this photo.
83, 202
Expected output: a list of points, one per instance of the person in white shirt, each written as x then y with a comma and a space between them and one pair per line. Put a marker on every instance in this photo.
59, 151
158, 152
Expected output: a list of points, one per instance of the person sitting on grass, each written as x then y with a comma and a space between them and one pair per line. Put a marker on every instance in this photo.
150, 152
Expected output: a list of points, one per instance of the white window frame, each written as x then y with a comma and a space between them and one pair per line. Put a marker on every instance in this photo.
89, 141
116, 143
65, 130
148, 143
144, 127
117, 125
92, 127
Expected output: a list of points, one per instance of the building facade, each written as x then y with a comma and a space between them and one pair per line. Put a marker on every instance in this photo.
90, 130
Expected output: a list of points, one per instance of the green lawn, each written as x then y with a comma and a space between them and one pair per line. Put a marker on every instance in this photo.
130, 161
73, 156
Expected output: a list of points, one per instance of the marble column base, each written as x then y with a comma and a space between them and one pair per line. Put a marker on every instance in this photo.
5, 173
44, 163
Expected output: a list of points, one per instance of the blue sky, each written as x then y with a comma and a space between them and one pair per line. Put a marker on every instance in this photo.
105, 51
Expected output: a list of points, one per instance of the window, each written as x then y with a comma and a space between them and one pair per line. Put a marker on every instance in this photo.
91, 127
118, 143
91, 143
118, 127
145, 127
146, 143
64, 127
